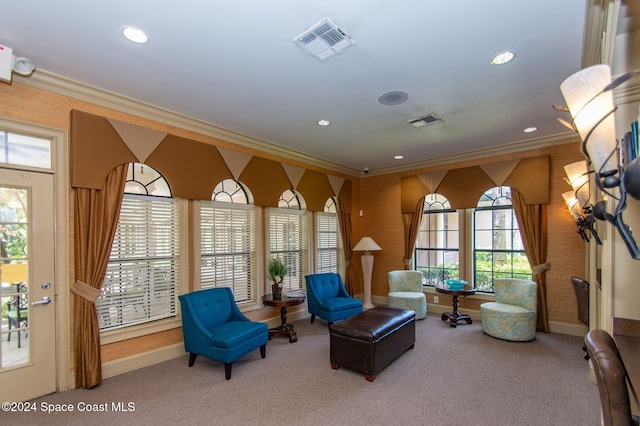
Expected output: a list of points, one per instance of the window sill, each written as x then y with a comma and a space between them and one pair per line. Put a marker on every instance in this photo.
134, 331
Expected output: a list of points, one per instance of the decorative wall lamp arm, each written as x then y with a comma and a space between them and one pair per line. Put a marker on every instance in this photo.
589, 96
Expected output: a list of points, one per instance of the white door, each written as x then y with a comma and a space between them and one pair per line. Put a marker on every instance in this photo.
27, 331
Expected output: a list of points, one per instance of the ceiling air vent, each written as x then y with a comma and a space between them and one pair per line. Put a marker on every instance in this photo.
324, 40
424, 121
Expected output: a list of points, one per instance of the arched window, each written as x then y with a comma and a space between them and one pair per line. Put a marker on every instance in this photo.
231, 191
498, 249
142, 274
288, 237
437, 249
329, 255
227, 240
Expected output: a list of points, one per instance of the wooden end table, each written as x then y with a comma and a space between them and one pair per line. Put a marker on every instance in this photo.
455, 316
284, 329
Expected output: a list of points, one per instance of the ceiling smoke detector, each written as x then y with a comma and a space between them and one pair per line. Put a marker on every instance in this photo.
424, 121
324, 40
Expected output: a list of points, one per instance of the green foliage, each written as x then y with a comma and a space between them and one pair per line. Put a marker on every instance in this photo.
276, 271
437, 275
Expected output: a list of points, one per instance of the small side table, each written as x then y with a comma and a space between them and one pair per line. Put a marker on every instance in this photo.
455, 316
284, 329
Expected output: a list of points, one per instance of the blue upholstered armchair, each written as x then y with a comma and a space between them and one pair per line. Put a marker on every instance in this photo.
213, 326
513, 315
328, 299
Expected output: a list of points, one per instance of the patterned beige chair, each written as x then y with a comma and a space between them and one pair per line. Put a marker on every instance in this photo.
513, 315
405, 291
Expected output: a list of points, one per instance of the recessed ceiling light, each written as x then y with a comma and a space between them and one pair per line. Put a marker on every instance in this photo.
324, 122
399, 157
135, 35
503, 57
530, 129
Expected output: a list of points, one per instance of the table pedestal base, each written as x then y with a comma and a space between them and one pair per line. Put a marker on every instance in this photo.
455, 316
284, 329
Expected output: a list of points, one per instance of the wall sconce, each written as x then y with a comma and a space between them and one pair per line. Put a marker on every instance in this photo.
578, 200
589, 97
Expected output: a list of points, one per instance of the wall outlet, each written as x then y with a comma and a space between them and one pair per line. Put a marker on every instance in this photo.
436, 299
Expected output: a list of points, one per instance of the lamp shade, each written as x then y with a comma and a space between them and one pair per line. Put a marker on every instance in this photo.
573, 205
592, 111
578, 177
366, 244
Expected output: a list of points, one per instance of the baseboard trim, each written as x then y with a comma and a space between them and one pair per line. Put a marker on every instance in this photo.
145, 359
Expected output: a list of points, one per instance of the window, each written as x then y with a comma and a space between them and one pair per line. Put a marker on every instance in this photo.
328, 241
25, 150
437, 248
498, 249
227, 242
288, 238
140, 285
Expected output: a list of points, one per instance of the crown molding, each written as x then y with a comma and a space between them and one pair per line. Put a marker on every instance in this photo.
510, 148
60, 85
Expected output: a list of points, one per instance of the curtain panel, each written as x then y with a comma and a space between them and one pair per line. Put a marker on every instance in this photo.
95, 222
532, 221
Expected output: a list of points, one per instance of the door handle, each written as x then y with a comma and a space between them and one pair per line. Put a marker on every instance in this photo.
45, 301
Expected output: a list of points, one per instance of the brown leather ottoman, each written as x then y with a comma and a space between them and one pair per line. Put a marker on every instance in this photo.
369, 341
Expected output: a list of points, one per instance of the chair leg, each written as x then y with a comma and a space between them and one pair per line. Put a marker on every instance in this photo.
227, 370
192, 359
263, 351
313, 318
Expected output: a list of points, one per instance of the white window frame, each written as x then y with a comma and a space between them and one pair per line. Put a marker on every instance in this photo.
304, 250
130, 332
338, 249
253, 274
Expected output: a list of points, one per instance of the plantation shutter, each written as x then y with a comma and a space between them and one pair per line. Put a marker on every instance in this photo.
140, 283
288, 241
227, 248
328, 250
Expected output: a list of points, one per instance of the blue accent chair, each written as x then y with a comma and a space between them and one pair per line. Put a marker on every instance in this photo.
328, 299
213, 326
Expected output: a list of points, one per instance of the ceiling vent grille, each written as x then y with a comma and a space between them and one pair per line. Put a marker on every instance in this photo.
427, 120
324, 39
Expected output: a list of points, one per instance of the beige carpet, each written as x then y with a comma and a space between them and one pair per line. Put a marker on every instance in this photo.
452, 377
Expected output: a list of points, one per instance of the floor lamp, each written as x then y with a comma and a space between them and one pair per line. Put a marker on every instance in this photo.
367, 245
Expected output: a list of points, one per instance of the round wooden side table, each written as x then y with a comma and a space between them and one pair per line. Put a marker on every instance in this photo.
283, 303
455, 316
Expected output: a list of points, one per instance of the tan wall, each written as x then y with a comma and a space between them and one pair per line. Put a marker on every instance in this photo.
377, 196
382, 220
35, 106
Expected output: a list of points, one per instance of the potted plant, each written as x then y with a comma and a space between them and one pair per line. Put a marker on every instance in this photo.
276, 272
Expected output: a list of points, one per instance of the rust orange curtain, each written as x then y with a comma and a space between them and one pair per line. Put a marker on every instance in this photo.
532, 220
96, 218
344, 220
411, 228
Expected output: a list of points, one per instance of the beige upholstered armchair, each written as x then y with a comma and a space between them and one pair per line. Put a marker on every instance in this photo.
405, 291
513, 315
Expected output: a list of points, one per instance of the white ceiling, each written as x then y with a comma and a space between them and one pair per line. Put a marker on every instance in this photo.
234, 64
